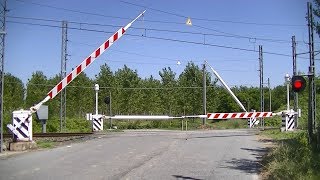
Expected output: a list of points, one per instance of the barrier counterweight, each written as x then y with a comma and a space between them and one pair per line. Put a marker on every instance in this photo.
288, 119
21, 126
97, 122
252, 122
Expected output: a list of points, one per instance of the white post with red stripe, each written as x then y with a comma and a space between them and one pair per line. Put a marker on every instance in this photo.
17, 127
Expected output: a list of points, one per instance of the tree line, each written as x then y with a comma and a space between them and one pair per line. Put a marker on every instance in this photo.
172, 94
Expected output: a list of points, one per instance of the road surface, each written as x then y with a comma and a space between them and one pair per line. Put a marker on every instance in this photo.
156, 154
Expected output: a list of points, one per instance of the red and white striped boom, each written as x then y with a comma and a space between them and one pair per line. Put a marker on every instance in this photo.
85, 63
242, 115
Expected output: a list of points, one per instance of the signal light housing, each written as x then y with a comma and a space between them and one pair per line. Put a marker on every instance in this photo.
298, 83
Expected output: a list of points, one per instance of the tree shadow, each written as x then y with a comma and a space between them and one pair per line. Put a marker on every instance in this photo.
251, 166
178, 177
257, 152
246, 165
267, 140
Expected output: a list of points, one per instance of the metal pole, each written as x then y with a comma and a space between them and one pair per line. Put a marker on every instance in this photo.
181, 124
204, 93
311, 104
96, 102
186, 125
63, 75
261, 84
44, 126
2, 46
96, 88
110, 112
270, 109
288, 97
294, 65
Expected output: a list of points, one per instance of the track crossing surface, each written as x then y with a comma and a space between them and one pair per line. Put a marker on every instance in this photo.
153, 154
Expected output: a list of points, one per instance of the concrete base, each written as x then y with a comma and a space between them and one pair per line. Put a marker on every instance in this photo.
22, 146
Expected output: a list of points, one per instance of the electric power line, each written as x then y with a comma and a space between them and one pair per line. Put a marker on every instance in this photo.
222, 34
158, 10
159, 38
212, 20
165, 58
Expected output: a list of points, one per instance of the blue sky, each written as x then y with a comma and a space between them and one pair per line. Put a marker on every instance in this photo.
31, 47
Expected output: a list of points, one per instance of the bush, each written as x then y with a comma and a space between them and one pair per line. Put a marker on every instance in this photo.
293, 158
273, 121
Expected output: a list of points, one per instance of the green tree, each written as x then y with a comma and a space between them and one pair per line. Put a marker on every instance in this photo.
105, 79
54, 104
225, 102
316, 12
13, 97
37, 88
150, 102
278, 97
249, 97
212, 94
80, 96
191, 97
126, 101
169, 94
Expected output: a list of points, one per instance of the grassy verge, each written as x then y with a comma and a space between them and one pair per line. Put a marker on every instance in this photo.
46, 144
291, 158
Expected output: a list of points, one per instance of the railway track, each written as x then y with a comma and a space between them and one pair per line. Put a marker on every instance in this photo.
53, 134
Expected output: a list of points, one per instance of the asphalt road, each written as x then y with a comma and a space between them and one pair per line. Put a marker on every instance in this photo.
192, 155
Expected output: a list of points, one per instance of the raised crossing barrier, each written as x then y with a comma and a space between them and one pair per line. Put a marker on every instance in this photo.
21, 126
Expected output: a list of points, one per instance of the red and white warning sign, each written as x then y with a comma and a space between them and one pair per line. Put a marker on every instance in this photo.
241, 115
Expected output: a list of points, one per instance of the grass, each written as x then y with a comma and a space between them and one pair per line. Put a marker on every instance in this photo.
292, 157
46, 144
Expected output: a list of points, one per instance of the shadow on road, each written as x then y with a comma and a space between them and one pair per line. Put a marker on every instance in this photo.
185, 177
247, 165
251, 166
257, 152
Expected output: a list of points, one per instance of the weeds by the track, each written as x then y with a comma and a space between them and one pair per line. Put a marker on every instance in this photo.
291, 157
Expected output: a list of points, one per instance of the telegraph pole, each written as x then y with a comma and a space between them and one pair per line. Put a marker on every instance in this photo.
269, 95
294, 60
204, 93
63, 95
2, 45
261, 83
312, 102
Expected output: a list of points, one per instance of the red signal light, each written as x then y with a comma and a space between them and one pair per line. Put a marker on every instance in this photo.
298, 83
